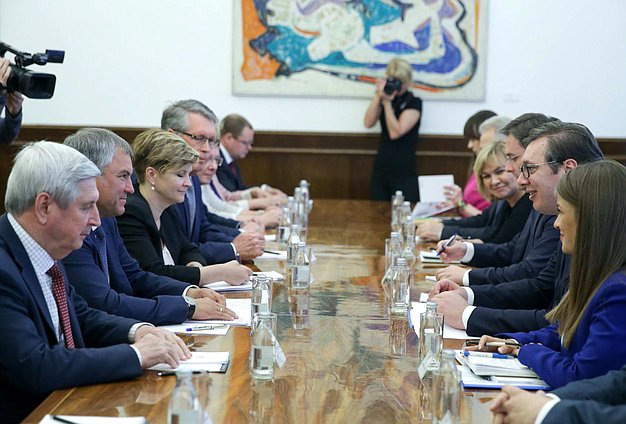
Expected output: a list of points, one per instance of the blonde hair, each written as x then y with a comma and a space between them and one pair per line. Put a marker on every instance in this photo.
491, 152
400, 69
161, 150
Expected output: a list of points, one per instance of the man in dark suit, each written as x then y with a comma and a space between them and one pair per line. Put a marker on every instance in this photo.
196, 124
236, 139
50, 338
596, 400
553, 149
103, 272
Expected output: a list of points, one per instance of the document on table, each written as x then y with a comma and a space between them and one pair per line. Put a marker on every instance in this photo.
276, 276
273, 254
428, 209
448, 332
85, 419
199, 362
243, 309
471, 380
223, 286
270, 237
430, 257
197, 328
431, 187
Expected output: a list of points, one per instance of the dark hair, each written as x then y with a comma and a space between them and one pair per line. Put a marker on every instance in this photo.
473, 122
566, 140
521, 126
597, 191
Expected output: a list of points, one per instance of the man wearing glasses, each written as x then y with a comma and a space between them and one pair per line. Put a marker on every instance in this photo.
236, 139
218, 238
553, 149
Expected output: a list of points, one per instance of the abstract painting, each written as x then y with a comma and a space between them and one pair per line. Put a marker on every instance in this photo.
340, 47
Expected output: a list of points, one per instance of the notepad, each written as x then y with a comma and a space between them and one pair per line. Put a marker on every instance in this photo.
471, 380
499, 367
430, 257
243, 309
223, 286
199, 362
418, 308
276, 276
275, 254
431, 187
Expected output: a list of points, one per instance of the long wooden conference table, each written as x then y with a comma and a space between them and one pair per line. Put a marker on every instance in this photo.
337, 337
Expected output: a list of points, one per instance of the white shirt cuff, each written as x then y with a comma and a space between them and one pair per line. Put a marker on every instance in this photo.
470, 295
138, 354
469, 252
193, 286
466, 281
234, 248
131, 337
543, 412
467, 312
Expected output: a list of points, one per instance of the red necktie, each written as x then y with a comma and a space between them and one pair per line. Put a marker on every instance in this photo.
60, 297
233, 168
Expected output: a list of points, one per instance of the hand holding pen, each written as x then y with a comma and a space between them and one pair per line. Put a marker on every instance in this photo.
446, 244
494, 344
450, 250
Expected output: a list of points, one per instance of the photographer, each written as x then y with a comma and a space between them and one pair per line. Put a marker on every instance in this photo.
12, 121
399, 113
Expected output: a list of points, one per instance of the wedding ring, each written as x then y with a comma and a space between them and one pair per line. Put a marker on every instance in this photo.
221, 309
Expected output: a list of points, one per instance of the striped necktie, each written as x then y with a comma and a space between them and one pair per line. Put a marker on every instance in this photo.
60, 297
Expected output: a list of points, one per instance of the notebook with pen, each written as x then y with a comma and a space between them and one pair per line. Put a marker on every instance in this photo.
430, 257
199, 362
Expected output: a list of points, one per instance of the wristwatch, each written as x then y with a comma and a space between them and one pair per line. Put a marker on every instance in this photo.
191, 303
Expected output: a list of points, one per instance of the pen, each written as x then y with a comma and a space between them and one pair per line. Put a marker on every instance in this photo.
493, 344
204, 327
446, 244
487, 355
62, 420
271, 252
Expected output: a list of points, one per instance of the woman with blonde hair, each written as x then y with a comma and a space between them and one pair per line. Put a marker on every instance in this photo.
587, 337
151, 229
399, 113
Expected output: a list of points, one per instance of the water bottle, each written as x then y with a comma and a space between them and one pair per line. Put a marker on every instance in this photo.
400, 288
261, 298
446, 392
292, 243
262, 342
430, 337
396, 202
184, 407
301, 270
284, 227
408, 240
392, 252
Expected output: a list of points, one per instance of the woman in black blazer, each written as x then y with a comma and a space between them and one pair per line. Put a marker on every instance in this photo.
150, 227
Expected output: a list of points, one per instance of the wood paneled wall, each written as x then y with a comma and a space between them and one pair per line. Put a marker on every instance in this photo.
338, 165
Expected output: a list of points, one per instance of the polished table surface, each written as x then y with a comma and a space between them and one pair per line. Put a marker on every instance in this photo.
337, 337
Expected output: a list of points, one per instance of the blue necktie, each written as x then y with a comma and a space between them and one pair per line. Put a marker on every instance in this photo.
101, 246
215, 190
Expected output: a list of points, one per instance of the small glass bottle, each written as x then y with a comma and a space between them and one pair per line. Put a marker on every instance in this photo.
301, 270
284, 227
184, 407
396, 202
399, 288
430, 337
262, 343
446, 392
408, 240
292, 243
392, 253
261, 294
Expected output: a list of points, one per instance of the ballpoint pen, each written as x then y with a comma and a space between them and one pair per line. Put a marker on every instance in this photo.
62, 420
488, 355
205, 327
446, 244
271, 252
494, 344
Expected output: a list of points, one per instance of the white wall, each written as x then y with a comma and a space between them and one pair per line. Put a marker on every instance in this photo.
126, 59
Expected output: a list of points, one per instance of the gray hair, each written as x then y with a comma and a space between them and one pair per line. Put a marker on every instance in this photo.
520, 127
497, 122
99, 145
47, 167
175, 116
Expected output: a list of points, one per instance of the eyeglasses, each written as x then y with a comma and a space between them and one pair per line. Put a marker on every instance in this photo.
198, 138
511, 158
526, 169
218, 160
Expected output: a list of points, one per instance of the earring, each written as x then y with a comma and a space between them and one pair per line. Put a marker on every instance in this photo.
152, 188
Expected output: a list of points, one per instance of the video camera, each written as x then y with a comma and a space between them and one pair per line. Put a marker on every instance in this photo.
35, 85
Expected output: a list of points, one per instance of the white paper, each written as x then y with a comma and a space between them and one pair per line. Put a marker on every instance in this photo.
431, 187
430, 257
270, 237
242, 307
278, 254
448, 332
428, 209
223, 286
85, 419
200, 361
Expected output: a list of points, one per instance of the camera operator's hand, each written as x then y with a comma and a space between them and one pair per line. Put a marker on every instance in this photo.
14, 103
380, 91
5, 71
